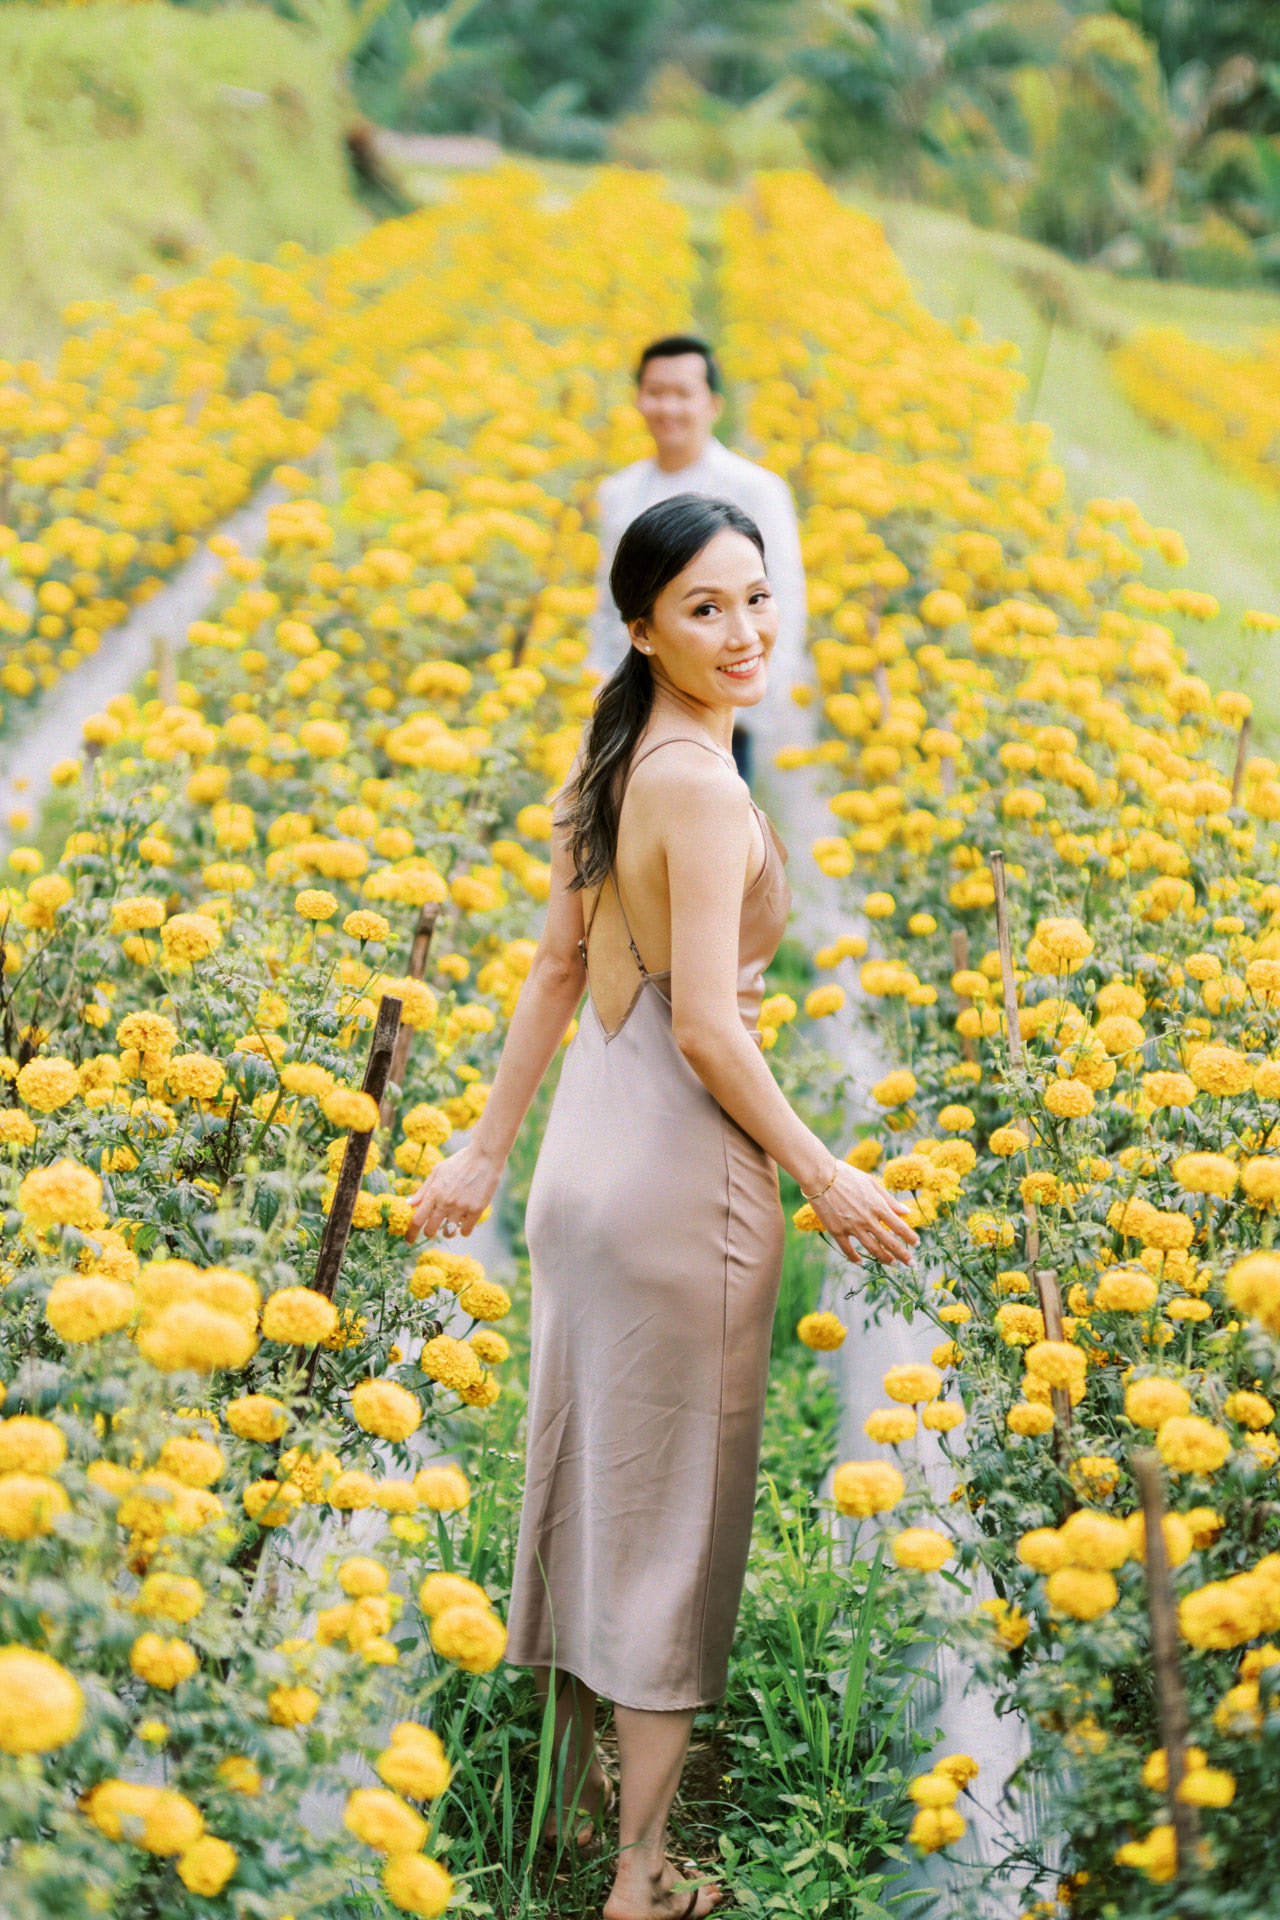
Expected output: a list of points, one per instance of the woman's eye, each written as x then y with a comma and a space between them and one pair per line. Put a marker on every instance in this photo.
707, 606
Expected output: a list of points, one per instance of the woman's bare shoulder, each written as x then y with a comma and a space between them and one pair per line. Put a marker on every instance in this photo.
686, 780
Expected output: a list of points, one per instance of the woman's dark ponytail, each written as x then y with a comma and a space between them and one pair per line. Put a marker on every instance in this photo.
656, 546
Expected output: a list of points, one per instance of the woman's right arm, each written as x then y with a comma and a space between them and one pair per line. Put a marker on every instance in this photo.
463, 1184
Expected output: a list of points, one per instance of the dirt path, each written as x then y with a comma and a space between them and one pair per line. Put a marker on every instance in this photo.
124, 655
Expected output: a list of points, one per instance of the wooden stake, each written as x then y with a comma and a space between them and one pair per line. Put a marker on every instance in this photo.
1171, 1702
1242, 748
996, 860
166, 679
337, 1228
417, 967
947, 774
880, 674
1051, 1309
959, 961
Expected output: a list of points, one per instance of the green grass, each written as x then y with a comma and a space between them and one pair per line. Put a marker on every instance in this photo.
152, 138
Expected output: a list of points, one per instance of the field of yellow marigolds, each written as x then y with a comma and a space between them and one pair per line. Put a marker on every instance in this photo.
251, 1490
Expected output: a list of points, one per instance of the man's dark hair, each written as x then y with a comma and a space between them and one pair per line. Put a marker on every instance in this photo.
673, 343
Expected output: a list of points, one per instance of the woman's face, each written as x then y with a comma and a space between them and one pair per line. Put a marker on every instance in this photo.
714, 625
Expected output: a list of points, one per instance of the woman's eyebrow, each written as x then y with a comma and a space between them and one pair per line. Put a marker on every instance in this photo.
708, 593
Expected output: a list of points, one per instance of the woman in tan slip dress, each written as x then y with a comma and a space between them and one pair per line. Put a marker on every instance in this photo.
654, 1224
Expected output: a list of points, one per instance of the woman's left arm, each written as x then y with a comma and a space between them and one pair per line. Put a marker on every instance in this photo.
462, 1185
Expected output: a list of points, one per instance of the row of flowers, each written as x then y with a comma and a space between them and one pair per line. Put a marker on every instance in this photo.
1086, 1129
221, 1488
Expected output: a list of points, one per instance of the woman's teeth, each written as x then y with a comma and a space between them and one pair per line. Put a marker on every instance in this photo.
742, 669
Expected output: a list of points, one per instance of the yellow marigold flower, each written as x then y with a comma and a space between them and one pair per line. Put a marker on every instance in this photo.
1009, 1624
300, 1315
427, 1126
86, 1306
822, 1001
169, 1596
1260, 1179
194, 1076
61, 1195
384, 1821
206, 1867
489, 1346
363, 924
1008, 1140
384, 1409
1093, 1539
890, 1426
349, 1108
933, 1790
1221, 1071
895, 1089
415, 1763
147, 1033
41, 1705
1057, 1362
256, 1416
1125, 1290
1252, 1286
416, 1883
1252, 1410
1029, 1418
942, 1416
1207, 1787
864, 1487
935, 1827
271, 1502
189, 937
292, 1706
472, 1637
1068, 1099
1178, 1539
1042, 1550
822, 1331
314, 903
1019, 1324
921, 1548
48, 1084
1189, 1444
1082, 1592
484, 1300
161, 1662
942, 608
136, 912
306, 1079
190, 1334
450, 1361
912, 1383
1205, 1173
1150, 1402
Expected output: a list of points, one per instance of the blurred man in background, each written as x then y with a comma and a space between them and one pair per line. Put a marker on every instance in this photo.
679, 392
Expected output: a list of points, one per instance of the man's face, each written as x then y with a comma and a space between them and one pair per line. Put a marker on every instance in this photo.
679, 407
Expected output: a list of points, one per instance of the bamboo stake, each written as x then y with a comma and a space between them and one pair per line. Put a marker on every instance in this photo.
337, 1228
880, 675
1242, 748
959, 961
1171, 1702
404, 1038
996, 860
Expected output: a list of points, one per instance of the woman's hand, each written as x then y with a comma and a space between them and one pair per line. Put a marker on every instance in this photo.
455, 1193
858, 1206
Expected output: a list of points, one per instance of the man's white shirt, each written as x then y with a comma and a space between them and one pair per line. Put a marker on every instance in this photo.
720, 474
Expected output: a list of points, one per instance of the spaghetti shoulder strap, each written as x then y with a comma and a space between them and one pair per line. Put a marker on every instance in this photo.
635, 951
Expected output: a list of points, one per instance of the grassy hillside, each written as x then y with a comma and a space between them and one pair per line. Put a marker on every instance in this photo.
152, 138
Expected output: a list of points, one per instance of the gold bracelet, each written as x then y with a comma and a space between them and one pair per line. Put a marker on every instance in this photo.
821, 1190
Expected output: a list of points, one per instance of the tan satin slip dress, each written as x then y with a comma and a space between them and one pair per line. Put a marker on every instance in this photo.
655, 1238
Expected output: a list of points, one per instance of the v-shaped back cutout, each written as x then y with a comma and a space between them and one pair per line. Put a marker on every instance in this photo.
616, 932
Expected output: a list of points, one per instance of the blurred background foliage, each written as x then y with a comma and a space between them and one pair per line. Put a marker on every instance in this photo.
1144, 136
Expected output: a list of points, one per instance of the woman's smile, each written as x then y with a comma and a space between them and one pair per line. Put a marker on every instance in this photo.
743, 669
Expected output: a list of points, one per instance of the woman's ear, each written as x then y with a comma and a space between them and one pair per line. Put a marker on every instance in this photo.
640, 636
